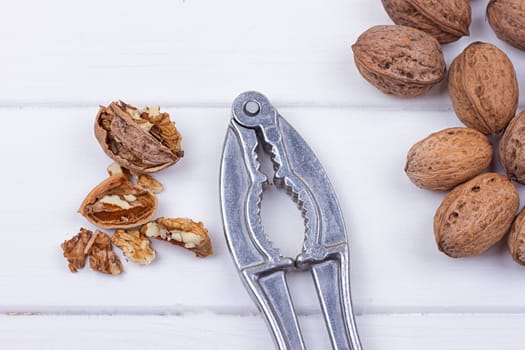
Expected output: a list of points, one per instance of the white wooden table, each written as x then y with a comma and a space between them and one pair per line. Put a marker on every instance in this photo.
60, 59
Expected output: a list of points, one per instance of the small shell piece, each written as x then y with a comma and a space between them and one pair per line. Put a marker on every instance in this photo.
117, 203
134, 245
475, 215
516, 240
507, 19
512, 149
483, 88
447, 158
445, 20
144, 141
183, 232
399, 60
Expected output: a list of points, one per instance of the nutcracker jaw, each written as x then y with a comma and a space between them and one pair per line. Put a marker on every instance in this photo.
256, 124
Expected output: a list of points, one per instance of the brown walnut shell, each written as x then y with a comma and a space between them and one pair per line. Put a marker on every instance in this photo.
475, 215
483, 88
399, 60
516, 240
512, 149
507, 19
118, 203
447, 158
143, 141
445, 20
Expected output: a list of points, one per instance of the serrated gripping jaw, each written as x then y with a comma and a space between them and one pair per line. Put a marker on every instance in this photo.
257, 126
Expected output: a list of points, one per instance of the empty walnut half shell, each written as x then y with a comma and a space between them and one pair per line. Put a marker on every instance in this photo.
117, 203
144, 141
183, 232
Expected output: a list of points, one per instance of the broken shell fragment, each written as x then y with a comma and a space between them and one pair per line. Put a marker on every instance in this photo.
144, 141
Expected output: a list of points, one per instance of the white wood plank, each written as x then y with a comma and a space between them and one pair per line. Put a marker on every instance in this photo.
201, 52
210, 331
51, 161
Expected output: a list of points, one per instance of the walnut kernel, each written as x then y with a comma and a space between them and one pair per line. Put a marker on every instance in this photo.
134, 245
75, 249
183, 232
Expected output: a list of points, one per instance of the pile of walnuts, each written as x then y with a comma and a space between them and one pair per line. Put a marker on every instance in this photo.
140, 142
406, 60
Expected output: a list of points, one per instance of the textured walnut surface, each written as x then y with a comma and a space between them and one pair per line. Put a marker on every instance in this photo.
183, 232
475, 215
512, 149
75, 249
447, 158
143, 141
149, 183
399, 60
507, 19
135, 246
102, 258
516, 240
118, 203
445, 20
483, 88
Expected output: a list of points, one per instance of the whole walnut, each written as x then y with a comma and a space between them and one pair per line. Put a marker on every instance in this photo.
516, 240
475, 215
447, 158
399, 60
512, 149
445, 20
507, 19
483, 88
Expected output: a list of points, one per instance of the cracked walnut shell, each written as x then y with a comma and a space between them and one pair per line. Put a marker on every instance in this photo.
143, 141
447, 158
399, 60
183, 232
483, 88
118, 203
445, 20
507, 19
512, 149
134, 245
475, 215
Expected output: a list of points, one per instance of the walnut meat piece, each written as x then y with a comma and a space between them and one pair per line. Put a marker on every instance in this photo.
144, 141
134, 245
102, 258
74, 249
182, 232
149, 183
118, 203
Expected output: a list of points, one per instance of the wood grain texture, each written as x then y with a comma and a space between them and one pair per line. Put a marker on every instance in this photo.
225, 332
199, 52
389, 219
60, 60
